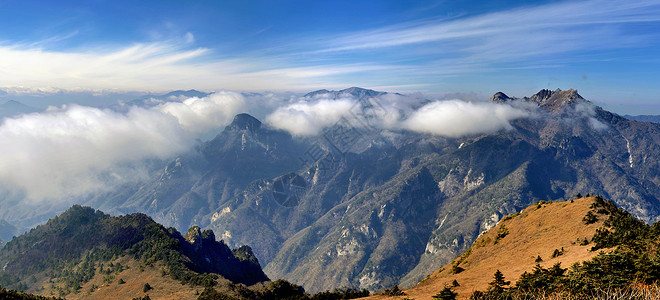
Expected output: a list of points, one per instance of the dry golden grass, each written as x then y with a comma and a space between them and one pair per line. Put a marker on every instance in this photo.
164, 287
534, 232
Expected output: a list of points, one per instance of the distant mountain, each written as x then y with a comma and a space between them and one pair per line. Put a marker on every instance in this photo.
72, 249
353, 91
644, 118
398, 205
7, 231
13, 108
546, 99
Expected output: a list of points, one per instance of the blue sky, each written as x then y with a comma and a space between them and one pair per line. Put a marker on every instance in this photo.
608, 50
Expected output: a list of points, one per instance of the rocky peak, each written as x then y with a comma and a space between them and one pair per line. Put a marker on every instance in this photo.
244, 122
196, 236
500, 97
245, 253
360, 92
541, 96
557, 99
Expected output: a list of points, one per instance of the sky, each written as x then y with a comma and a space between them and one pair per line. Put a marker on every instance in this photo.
608, 50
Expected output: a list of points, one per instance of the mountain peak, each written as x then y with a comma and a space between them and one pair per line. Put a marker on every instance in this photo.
188, 94
196, 236
557, 99
244, 121
500, 97
356, 92
545, 98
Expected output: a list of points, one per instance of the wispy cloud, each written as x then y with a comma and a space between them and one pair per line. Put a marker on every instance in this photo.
539, 23
517, 35
160, 66
416, 53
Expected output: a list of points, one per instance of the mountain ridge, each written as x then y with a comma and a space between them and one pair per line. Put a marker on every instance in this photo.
356, 92
549, 100
72, 245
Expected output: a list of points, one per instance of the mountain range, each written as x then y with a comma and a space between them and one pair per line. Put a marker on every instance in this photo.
397, 205
644, 118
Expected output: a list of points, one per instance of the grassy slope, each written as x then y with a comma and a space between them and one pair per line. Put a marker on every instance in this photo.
534, 232
103, 286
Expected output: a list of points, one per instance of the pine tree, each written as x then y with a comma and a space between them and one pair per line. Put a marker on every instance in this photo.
446, 294
498, 284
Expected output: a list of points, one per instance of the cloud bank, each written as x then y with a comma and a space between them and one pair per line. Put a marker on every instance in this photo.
448, 118
309, 118
77, 149
455, 118
73, 150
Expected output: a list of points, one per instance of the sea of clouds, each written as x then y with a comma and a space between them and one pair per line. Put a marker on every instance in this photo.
74, 150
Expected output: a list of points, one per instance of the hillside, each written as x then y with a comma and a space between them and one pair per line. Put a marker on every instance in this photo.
535, 231
575, 249
83, 250
14, 295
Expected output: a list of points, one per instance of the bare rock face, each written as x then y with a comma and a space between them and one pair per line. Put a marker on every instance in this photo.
553, 101
198, 238
556, 100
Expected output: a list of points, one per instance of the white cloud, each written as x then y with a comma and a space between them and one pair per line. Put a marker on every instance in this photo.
454, 118
532, 36
450, 118
202, 114
158, 66
512, 39
77, 149
309, 118
587, 111
499, 27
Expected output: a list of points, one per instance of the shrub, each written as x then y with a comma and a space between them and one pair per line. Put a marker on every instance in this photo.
501, 233
558, 252
394, 291
590, 218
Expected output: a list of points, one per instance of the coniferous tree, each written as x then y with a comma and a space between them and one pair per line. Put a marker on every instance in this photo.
446, 294
497, 286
